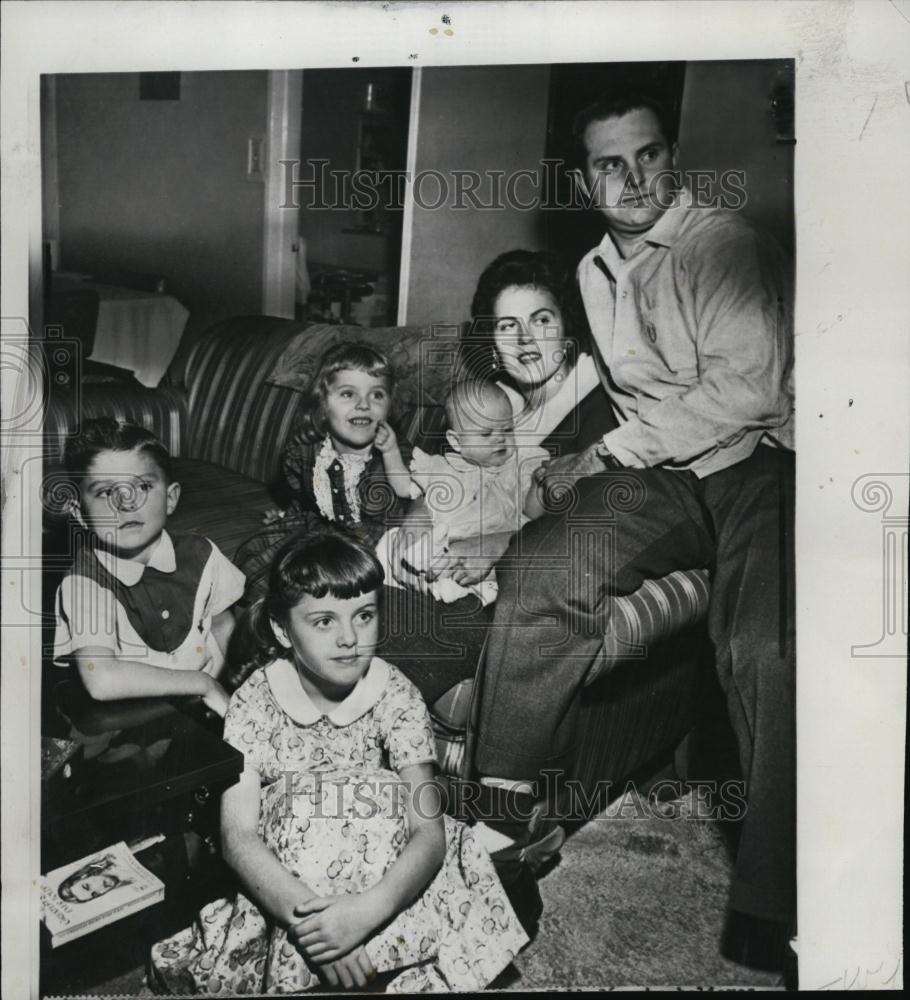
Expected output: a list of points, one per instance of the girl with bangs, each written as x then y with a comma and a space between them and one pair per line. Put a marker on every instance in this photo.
336, 832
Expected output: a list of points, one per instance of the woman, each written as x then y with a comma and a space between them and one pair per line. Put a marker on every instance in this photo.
523, 311
525, 333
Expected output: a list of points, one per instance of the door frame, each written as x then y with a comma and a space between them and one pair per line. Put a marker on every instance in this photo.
281, 224
407, 221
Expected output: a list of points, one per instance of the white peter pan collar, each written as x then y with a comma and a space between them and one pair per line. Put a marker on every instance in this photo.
129, 572
287, 691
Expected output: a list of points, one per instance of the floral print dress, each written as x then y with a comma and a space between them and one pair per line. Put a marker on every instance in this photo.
333, 810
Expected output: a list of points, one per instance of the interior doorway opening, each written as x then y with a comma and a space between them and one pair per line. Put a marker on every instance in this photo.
353, 151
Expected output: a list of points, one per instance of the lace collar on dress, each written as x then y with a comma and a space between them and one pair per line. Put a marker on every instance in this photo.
352, 468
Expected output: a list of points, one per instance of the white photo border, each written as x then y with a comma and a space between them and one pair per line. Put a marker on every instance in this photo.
852, 363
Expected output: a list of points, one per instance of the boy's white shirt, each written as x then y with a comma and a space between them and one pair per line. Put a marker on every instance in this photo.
101, 620
130, 572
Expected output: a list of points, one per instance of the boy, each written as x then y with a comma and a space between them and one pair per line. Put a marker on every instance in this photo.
141, 613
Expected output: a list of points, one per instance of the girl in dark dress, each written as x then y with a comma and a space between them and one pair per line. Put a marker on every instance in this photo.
346, 466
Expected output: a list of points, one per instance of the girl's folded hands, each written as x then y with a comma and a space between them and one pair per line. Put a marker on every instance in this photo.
332, 926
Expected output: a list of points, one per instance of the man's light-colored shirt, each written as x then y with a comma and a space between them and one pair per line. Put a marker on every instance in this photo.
694, 336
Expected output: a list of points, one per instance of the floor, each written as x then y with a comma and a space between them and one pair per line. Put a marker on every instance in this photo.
636, 898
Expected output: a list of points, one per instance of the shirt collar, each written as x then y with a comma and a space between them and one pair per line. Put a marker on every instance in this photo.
663, 233
129, 571
667, 228
366, 692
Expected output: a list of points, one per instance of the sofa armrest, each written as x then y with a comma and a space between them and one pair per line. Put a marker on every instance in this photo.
163, 411
656, 611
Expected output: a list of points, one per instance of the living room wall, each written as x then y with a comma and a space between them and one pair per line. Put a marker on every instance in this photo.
472, 118
495, 117
728, 123
160, 187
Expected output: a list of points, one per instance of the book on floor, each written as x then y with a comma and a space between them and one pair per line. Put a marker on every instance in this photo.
96, 890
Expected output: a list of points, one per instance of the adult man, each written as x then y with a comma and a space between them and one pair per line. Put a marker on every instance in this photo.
689, 309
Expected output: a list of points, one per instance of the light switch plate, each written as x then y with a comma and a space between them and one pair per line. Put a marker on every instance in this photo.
254, 156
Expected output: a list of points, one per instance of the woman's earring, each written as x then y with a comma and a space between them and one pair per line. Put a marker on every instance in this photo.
495, 358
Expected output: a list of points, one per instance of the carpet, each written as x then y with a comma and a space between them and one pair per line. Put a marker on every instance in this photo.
633, 900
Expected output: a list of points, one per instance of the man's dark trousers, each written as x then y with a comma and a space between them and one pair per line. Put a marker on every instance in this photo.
617, 530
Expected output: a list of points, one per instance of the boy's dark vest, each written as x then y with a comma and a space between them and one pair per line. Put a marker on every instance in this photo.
160, 606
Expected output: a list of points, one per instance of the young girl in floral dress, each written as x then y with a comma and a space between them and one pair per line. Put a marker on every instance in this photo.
335, 829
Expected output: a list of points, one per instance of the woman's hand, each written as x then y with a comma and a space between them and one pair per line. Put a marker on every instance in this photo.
385, 439
354, 969
332, 926
412, 551
473, 559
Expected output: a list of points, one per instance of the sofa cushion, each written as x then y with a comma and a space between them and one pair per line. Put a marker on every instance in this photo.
423, 358
424, 426
218, 503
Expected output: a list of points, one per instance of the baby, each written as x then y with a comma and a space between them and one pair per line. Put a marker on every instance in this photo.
484, 485
140, 612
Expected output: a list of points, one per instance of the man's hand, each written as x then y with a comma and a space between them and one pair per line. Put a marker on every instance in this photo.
385, 439
571, 467
354, 969
332, 926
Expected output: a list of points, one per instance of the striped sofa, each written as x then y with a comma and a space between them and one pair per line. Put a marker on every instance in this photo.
225, 417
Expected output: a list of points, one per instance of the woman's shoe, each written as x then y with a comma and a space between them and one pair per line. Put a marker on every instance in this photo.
526, 830
534, 849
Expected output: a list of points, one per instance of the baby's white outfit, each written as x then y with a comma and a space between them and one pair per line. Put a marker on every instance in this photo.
467, 501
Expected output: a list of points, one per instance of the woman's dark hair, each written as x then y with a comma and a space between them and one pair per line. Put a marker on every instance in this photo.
523, 269
323, 562
355, 356
517, 269
107, 434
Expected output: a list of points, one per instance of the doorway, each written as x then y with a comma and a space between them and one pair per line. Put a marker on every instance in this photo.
353, 150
